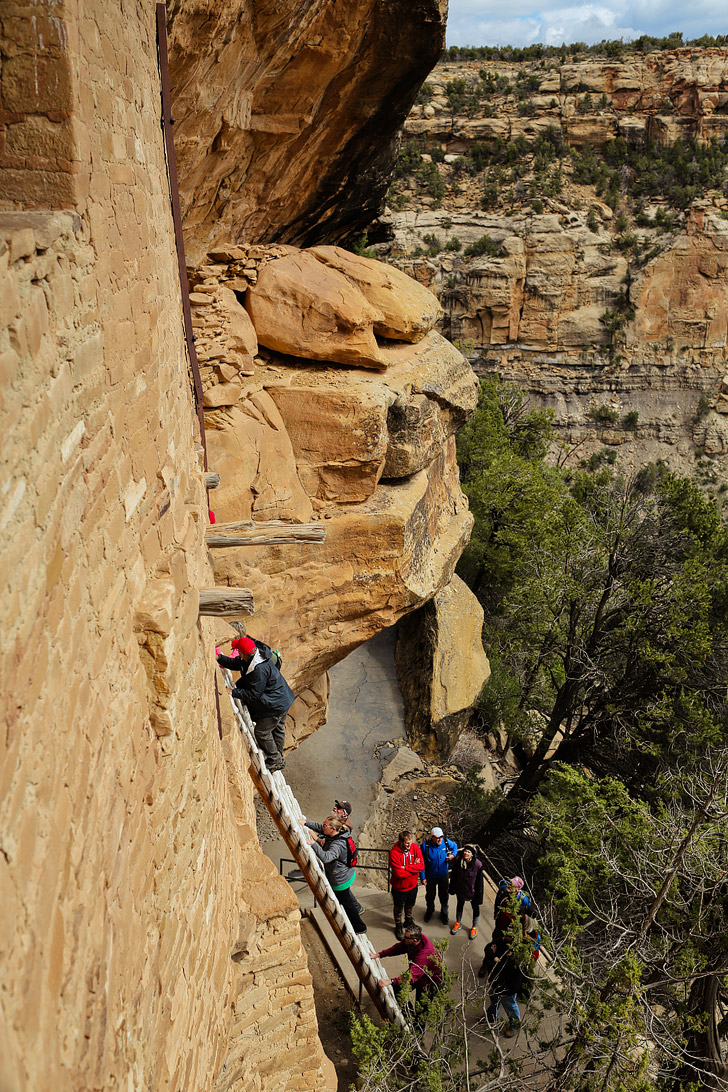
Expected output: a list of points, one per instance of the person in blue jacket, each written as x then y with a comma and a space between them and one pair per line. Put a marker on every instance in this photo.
437, 853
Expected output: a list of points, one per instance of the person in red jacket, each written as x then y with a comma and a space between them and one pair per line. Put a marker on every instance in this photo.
405, 865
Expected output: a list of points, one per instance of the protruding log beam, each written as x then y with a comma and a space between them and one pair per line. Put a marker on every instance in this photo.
271, 533
211, 480
224, 602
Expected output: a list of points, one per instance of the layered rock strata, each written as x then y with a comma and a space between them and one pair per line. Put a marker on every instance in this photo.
538, 313
261, 86
617, 326
663, 96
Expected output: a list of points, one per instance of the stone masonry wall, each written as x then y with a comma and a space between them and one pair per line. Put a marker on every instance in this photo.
145, 942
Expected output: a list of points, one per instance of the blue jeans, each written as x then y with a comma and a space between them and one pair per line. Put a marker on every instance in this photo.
509, 1001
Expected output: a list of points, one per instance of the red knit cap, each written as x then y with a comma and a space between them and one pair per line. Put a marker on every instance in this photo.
244, 645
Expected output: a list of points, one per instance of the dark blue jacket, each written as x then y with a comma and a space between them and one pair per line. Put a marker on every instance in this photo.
264, 690
434, 856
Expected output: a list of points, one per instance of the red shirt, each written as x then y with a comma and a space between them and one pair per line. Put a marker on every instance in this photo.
405, 866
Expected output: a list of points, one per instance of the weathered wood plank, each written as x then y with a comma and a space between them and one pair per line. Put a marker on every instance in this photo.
271, 533
222, 602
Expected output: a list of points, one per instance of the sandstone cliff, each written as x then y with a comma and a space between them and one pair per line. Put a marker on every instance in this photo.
366, 445
551, 267
286, 114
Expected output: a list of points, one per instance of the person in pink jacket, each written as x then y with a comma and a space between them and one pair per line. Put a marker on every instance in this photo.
425, 963
405, 865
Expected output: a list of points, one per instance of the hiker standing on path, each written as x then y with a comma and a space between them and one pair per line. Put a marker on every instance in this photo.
405, 865
425, 963
265, 692
437, 853
332, 849
466, 884
506, 981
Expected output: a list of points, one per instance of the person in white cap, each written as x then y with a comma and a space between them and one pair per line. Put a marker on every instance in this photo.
437, 853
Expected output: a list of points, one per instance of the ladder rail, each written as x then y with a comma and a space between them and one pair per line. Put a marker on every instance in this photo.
278, 797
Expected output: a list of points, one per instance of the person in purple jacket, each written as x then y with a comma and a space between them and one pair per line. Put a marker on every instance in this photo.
425, 963
466, 884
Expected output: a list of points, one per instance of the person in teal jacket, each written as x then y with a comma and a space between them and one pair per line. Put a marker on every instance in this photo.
437, 853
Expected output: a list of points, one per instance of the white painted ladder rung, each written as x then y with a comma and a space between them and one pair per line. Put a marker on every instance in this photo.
284, 808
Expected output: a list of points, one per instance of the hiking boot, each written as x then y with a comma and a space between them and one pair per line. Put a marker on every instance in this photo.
482, 971
274, 767
444, 917
474, 932
454, 928
428, 915
408, 923
362, 930
509, 1033
399, 931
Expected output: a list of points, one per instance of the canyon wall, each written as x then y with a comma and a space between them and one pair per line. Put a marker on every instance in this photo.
609, 313
146, 941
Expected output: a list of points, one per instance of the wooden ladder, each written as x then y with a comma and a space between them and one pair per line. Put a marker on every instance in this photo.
277, 795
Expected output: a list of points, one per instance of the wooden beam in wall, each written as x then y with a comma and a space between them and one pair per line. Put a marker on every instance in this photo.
226, 602
270, 533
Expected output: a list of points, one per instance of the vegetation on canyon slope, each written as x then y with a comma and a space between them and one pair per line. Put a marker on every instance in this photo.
606, 608
521, 173
613, 48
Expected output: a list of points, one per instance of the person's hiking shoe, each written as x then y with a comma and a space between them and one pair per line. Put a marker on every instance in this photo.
443, 917
408, 923
474, 932
482, 971
399, 931
428, 915
509, 1033
454, 928
274, 767
363, 930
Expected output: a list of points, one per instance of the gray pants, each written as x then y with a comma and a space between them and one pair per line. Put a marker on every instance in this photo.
270, 733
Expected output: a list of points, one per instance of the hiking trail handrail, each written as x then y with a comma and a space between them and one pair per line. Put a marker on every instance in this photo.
277, 795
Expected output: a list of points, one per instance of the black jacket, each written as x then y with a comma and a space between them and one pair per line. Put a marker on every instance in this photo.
264, 690
506, 976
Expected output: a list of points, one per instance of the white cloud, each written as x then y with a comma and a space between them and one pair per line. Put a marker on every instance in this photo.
483, 22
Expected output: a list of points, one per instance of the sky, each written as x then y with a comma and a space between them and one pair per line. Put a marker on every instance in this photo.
520, 23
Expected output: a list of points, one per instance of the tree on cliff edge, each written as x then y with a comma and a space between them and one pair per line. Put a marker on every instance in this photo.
606, 609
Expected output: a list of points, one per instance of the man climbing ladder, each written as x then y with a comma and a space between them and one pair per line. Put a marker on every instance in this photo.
265, 692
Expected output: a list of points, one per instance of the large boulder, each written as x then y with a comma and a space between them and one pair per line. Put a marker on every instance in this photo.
409, 309
301, 307
441, 668
349, 429
381, 558
251, 451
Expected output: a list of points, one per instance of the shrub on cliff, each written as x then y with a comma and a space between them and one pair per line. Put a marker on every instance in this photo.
482, 246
